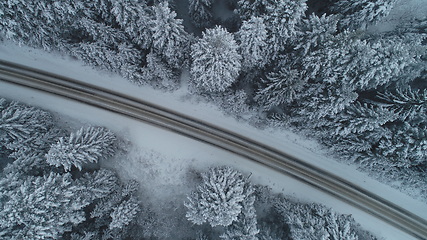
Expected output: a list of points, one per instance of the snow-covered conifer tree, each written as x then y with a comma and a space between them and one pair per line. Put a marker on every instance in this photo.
406, 146
216, 61
314, 221
355, 132
200, 12
345, 65
94, 31
314, 31
42, 208
27, 163
218, 200
123, 59
340, 227
115, 205
360, 118
85, 236
359, 13
415, 26
282, 87
159, 73
410, 104
379, 62
124, 213
245, 227
287, 83
235, 103
324, 99
252, 38
306, 221
87, 145
328, 61
269, 231
133, 18
255, 8
112, 199
37, 23
281, 20
98, 184
169, 37
117, 209
23, 127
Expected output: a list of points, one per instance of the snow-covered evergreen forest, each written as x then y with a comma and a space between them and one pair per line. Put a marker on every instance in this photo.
328, 69
53, 187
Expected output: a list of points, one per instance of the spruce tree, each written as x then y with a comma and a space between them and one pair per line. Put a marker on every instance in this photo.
283, 87
216, 61
358, 14
245, 227
114, 205
124, 213
406, 146
339, 69
235, 103
159, 74
255, 8
314, 221
200, 12
313, 32
42, 208
118, 208
409, 103
360, 118
218, 199
281, 19
252, 38
123, 59
25, 128
87, 145
37, 23
133, 18
169, 37
98, 184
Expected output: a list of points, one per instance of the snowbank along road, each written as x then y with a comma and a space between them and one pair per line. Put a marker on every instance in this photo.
369, 202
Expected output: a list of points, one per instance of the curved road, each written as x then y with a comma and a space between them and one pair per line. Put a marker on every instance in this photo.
202, 131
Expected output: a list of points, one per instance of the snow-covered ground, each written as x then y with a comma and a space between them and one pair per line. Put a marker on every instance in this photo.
403, 11
176, 154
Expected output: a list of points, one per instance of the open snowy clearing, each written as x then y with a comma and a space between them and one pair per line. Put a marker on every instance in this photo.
197, 155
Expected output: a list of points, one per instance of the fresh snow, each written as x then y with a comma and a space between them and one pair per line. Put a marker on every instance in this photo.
177, 154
